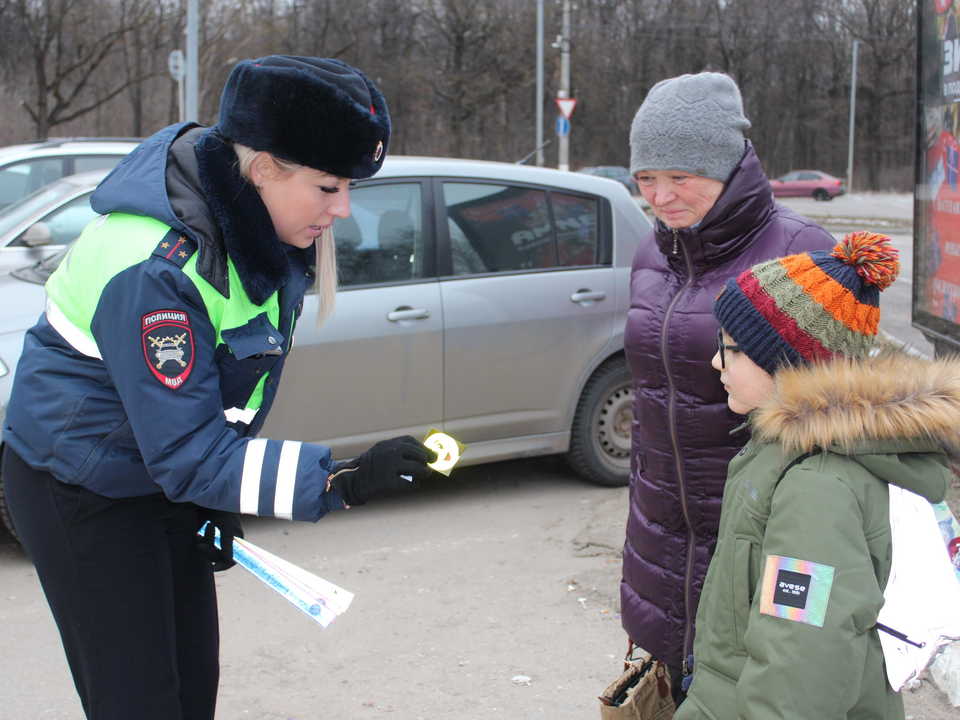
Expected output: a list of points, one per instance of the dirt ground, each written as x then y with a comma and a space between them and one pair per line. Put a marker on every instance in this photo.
492, 594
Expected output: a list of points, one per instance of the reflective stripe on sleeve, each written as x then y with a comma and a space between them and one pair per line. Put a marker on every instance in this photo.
286, 479
241, 415
70, 332
250, 478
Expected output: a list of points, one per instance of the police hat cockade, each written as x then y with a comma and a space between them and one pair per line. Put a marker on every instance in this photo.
316, 112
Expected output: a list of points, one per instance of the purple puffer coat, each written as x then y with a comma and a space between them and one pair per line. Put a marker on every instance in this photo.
682, 425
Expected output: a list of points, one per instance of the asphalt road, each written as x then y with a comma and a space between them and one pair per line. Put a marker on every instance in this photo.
888, 213
500, 572
460, 588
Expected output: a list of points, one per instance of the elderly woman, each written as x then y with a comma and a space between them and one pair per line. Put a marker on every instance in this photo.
715, 217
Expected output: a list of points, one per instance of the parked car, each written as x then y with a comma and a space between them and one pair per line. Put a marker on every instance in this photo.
484, 299
808, 183
28, 167
22, 299
43, 222
612, 172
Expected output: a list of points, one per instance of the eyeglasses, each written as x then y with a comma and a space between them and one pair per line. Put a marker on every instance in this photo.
722, 347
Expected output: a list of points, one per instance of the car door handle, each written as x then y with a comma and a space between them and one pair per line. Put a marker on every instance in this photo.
585, 295
407, 313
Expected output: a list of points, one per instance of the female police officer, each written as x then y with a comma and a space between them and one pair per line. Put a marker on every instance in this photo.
141, 390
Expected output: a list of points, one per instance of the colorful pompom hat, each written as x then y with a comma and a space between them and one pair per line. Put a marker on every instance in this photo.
813, 306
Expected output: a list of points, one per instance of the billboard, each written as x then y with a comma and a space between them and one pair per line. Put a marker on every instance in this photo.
936, 260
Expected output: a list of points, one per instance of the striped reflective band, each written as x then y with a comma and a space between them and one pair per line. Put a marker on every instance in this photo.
70, 332
241, 415
286, 480
250, 478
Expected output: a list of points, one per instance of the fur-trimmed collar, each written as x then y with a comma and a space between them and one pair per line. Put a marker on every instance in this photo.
849, 405
248, 232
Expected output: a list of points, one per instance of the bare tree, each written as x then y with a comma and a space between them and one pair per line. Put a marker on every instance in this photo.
66, 42
472, 60
458, 75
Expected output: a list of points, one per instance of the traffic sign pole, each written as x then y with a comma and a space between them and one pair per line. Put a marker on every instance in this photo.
564, 149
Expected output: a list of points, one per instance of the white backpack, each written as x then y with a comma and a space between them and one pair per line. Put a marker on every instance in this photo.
921, 610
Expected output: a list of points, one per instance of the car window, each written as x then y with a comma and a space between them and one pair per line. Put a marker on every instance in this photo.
21, 179
22, 210
382, 240
86, 163
507, 228
66, 222
576, 221
498, 228
790, 177
809, 176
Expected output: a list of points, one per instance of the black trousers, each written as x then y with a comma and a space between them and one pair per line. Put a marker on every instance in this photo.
135, 602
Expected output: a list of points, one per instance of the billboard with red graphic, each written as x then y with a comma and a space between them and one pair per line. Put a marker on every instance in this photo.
936, 258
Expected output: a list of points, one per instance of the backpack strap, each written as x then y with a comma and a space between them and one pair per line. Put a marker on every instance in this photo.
796, 461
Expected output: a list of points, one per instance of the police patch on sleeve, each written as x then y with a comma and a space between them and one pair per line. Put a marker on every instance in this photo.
168, 346
795, 590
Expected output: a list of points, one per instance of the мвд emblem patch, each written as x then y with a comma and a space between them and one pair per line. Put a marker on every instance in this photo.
168, 346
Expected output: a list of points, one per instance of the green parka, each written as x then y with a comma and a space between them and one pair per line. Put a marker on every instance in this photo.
786, 624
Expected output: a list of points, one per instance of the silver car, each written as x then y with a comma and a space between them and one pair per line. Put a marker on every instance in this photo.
484, 299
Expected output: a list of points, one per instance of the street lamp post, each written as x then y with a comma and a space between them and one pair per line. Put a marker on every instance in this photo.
539, 83
853, 112
193, 64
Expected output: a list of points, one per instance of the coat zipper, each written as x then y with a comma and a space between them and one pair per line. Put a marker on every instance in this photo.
691, 543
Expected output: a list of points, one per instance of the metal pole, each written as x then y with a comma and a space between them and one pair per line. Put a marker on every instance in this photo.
853, 111
539, 83
193, 83
564, 149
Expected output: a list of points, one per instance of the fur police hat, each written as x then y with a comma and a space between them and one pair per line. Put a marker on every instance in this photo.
316, 112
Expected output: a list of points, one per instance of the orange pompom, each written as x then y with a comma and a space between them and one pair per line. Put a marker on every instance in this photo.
873, 256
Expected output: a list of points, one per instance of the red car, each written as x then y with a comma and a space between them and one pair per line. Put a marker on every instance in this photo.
808, 183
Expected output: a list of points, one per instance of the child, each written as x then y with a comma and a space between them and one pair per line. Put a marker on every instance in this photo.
787, 621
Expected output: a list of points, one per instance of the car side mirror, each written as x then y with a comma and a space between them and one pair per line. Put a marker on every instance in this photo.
37, 235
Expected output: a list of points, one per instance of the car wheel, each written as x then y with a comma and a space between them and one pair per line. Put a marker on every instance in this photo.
600, 438
821, 194
5, 512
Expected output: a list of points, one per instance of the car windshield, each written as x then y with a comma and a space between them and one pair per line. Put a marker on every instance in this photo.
14, 214
40, 272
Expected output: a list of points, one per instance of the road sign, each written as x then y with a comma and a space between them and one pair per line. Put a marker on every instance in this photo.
566, 106
177, 65
563, 126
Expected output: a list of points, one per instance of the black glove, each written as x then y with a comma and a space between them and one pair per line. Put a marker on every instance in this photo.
228, 524
379, 469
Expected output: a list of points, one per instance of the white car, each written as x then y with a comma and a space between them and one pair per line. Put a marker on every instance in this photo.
28, 167
44, 222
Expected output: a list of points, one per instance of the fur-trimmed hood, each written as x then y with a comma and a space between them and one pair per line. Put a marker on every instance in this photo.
893, 404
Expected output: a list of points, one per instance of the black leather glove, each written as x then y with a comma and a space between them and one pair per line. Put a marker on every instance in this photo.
228, 524
379, 469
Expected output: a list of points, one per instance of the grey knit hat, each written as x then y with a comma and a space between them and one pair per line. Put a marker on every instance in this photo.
693, 123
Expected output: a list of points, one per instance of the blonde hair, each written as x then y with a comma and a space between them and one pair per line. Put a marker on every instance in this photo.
325, 284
